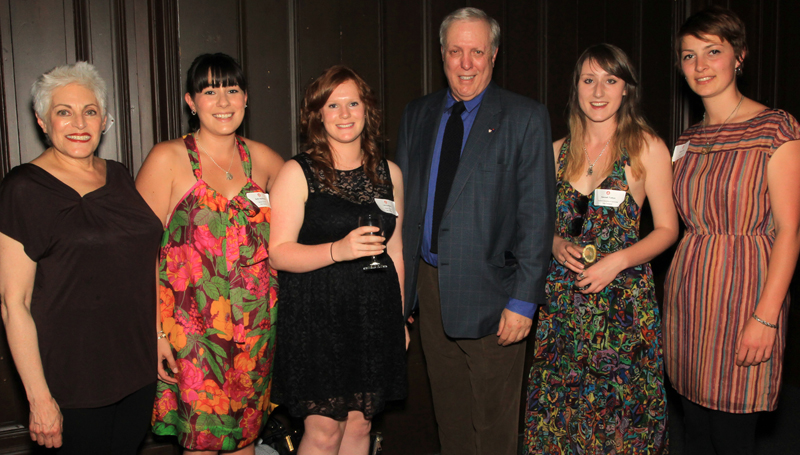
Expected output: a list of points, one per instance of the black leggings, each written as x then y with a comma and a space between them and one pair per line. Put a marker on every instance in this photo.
709, 432
116, 429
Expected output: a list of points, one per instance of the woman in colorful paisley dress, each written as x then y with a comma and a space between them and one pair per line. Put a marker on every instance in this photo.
737, 191
217, 292
341, 354
596, 385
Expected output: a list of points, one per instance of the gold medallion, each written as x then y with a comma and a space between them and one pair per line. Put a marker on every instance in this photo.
589, 254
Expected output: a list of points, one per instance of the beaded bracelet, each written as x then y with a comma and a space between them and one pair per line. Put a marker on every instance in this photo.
771, 326
161, 335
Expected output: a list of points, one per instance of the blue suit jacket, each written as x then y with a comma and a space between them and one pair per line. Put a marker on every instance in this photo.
497, 228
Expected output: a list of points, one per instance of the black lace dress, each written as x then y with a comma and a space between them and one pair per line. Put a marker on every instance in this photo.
340, 342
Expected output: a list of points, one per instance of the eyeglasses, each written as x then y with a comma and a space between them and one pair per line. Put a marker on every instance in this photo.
581, 206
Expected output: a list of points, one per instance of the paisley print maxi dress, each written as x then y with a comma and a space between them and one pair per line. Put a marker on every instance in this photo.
596, 384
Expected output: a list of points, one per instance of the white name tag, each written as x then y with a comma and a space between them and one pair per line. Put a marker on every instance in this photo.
608, 198
386, 206
259, 199
679, 151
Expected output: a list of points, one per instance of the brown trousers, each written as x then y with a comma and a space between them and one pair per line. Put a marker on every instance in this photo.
476, 384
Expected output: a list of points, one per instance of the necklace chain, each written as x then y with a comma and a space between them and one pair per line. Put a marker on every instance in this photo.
228, 175
591, 165
709, 144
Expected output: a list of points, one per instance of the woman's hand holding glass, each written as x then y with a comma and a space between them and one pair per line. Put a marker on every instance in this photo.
359, 243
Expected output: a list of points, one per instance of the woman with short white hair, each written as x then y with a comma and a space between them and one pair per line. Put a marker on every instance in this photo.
77, 247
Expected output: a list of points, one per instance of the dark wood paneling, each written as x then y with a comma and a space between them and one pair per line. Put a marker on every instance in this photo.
165, 66
143, 50
524, 48
206, 27
39, 35
562, 51
266, 26
403, 62
8, 117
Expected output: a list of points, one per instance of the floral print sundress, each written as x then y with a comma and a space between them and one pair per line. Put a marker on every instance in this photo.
217, 296
596, 383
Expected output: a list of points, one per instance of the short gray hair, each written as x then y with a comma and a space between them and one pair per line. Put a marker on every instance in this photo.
470, 14
81, 73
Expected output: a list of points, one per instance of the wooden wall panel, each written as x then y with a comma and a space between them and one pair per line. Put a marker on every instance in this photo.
206, 28
272, 112
44, 31
403, 53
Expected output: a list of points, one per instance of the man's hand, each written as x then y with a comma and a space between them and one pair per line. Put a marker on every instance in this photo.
513, 328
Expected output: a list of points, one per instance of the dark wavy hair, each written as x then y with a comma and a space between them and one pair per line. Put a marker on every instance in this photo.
715, 21
313, 133
631, 123
212, 70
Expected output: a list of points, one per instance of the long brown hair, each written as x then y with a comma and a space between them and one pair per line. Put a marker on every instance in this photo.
313, 131
631, 124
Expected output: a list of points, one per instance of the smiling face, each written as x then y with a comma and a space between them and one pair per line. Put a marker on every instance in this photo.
75, 122
344, 115
599, 93
709, 64
220, 110
468, 58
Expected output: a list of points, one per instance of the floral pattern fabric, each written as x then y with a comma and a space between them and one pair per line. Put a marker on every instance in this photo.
596, 384
217, 296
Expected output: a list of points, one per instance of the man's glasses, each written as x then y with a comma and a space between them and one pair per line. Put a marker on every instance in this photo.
581, 206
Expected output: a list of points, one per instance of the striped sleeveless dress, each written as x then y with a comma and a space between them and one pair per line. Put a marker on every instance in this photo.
720, 266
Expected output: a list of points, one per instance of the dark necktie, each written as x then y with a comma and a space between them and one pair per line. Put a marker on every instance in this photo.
448, 163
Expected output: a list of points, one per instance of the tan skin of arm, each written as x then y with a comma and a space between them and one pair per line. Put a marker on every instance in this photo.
657, 186
755, 341
17, 273
166, 176
288, 200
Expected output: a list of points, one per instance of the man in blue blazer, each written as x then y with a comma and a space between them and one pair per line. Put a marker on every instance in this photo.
479, 178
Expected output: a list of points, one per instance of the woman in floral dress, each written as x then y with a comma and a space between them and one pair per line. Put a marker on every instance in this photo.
596, 384
217, 292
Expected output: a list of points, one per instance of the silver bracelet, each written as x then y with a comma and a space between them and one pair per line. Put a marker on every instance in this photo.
161, 335
771, 326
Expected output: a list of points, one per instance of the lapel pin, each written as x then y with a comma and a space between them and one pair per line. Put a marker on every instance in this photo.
491, 130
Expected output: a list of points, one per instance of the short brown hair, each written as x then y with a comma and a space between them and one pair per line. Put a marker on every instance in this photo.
313, 131
715, 21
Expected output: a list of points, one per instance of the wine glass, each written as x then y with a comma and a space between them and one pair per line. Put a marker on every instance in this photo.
372, 219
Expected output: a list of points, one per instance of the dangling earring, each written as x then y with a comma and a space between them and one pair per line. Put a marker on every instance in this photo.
738, 70
194, 112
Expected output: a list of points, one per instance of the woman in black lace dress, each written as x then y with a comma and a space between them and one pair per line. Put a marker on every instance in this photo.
340, 352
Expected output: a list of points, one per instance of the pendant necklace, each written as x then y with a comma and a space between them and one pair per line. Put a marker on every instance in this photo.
228, 175
709, 142
591, 165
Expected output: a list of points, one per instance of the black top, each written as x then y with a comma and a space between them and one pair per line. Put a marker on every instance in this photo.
94, 295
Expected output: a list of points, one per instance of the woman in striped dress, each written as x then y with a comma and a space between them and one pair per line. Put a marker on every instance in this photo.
737, 191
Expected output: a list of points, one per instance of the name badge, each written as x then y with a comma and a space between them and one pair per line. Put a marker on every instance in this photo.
679, 151
259, 199
386, 206
608, 198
